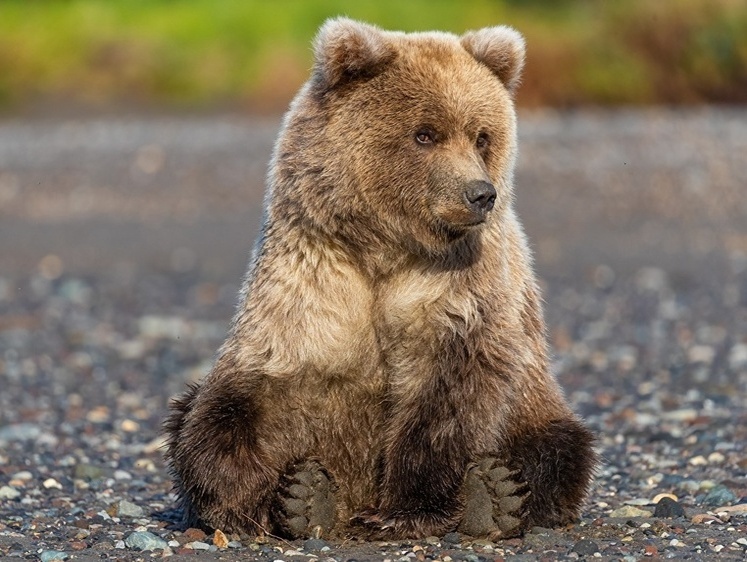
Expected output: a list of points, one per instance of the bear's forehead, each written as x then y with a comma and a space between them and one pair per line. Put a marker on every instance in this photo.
438, 59
439, 76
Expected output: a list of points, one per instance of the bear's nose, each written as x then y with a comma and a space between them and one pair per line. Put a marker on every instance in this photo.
480, 195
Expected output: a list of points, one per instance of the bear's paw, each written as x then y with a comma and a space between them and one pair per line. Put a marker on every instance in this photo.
494, 501
305, 504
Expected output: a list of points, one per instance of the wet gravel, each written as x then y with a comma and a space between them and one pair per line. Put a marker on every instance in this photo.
122, 243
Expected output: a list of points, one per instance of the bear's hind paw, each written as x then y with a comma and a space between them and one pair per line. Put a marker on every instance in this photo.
373, 524
305, 502
494, 501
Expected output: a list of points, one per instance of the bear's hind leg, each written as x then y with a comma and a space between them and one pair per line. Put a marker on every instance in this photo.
305, 505
494, 501
557, 462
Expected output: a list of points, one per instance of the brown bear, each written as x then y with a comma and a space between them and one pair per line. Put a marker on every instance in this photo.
386, 373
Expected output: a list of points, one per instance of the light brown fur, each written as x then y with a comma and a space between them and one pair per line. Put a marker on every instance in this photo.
386, 327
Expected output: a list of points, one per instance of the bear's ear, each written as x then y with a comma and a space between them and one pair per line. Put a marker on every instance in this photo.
499, 48
345, 50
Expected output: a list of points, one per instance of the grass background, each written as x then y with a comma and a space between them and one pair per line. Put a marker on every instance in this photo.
250, 54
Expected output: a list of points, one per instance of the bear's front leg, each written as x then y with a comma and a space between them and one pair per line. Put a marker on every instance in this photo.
425, 457
420, 488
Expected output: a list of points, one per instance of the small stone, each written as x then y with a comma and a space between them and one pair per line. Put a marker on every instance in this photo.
199, 545
659, 497
452, 538
128, 509
120, 545
716, 458
23, 475
51, 483
194, 534
100, 414
433, 540
50, 555
585, 547
219, 539
630, 511
130, 426
700, 460
122, 475
638, 501
292, 553
482, 543
88, 472
234, 544
719, 495
699, 518
19, 432
650, 550
314, 544
145, 464
9, 493
144, 540
667, 508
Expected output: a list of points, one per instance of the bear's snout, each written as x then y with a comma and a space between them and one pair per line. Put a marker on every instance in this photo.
480, 197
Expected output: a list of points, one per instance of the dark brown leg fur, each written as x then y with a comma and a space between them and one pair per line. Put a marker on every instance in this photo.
423, 465
557, 463
220, 474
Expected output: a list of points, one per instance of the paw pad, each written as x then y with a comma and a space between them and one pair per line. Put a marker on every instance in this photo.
306, 501
494, 501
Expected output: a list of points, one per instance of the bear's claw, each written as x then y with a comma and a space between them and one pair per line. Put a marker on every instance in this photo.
494, 501
306, 501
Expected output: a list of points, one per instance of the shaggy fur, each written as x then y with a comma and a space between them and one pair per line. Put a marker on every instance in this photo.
390, 329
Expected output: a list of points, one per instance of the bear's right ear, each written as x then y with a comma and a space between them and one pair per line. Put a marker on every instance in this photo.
345, 50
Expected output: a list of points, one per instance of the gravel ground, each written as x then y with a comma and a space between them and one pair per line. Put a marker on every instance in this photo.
122, 244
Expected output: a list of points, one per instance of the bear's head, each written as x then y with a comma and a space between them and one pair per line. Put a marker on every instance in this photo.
404, 139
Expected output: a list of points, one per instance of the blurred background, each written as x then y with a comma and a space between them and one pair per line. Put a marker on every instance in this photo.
253, 55
134, 141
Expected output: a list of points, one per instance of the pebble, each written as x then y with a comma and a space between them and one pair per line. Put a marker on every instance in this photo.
52, 483
219, 539
700, 460
23, 475
630, 511
314, 544
128, 509
19, 432
585, 547
50, 555
719, 495
198, 545
145, 540
668, 508
716, 458
122, 475
9, 493
435, 541
88, 472
659, 497
452, 538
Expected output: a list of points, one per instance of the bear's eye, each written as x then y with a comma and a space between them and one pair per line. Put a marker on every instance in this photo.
424, 137
482, 140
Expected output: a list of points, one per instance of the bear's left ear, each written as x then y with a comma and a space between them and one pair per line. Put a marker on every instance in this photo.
499, 48
345, 50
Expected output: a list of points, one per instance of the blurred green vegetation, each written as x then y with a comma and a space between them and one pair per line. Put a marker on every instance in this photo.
254, 54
